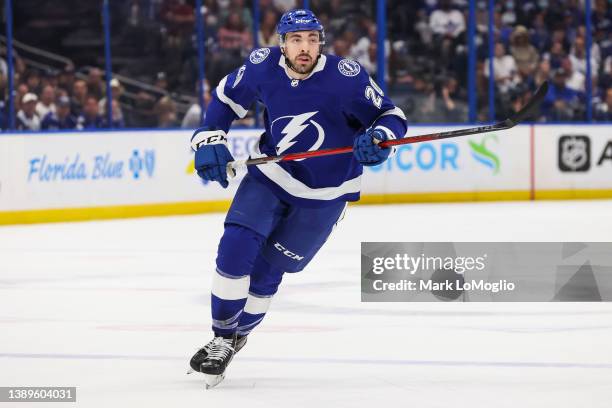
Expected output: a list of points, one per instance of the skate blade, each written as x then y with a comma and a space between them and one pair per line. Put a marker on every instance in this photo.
213, 380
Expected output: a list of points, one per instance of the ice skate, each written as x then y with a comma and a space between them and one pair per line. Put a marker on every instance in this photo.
199, 357
212, 359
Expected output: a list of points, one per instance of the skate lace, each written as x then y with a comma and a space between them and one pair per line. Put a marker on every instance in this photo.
220, 348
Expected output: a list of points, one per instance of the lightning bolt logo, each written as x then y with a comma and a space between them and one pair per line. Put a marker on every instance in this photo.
292, 130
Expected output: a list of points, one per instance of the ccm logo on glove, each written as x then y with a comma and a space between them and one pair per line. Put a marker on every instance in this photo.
207, 137
211, 155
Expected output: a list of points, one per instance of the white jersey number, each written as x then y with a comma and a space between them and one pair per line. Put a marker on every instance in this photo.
370, 94
374, 93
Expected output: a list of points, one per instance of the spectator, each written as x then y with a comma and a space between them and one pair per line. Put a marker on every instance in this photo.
234, 35
539, 33
603, 110
62, 118
179, 18
212, 20
117, 92
368, 59
143, 109
509, 13
420, 105
453, 112
423, 29
49, 77
340, 48
284, 5
578, 58
27, 119
95, 83
543, 73
504, 69
19, 65
560, 102
79, 96
32, 80
90, 118
192, 118
3, 116
46, 105
59, 92
518, 99
265, 5
447, 25
365, 49
447, 22
3, 74
556, 55
161, 81
503, 30
575, 79
165, 110
66, 77
117, 118
22, 89
606, 77
267, 36
525, 54
239, 7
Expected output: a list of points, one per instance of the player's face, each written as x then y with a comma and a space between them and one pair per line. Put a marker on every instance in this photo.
302, 49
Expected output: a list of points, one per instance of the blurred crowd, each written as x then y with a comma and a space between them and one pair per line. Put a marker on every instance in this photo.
533, 41
155, 43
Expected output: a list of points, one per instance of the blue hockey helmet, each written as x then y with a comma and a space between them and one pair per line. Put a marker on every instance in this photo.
299, 20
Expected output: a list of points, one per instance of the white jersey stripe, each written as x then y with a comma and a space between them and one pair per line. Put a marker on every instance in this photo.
237, 108
298, 189
395, 111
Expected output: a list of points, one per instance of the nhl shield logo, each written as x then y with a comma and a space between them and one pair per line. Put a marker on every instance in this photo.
574, 153
349, 67
259, 55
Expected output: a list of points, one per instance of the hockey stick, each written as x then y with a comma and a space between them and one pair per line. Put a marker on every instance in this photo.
528, 110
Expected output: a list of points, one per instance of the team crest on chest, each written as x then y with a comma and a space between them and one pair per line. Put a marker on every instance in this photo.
298, 129
259, 55
349, 67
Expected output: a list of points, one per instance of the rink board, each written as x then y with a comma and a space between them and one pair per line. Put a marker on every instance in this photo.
95, 175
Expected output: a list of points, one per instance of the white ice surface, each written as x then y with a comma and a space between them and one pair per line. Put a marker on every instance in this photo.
117, 308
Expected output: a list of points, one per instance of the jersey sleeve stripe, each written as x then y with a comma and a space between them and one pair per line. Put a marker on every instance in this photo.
237, 108
395, 111
390, 135
388, 131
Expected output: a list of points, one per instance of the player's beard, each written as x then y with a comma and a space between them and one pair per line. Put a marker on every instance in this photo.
303, 67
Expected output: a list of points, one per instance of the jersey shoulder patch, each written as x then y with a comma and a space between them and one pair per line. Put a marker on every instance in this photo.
259, 55
348, 67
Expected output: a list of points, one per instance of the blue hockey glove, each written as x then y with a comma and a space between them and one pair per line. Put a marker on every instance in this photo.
211, 154
366, 151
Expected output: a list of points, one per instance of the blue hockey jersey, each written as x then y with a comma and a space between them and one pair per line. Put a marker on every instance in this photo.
328, 109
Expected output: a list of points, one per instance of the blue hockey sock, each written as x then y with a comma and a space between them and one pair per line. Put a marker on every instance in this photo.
265, 280
238, 250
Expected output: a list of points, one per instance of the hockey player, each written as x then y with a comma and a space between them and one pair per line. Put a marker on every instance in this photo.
283, 213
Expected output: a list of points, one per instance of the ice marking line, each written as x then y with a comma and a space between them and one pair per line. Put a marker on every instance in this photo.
507, 364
